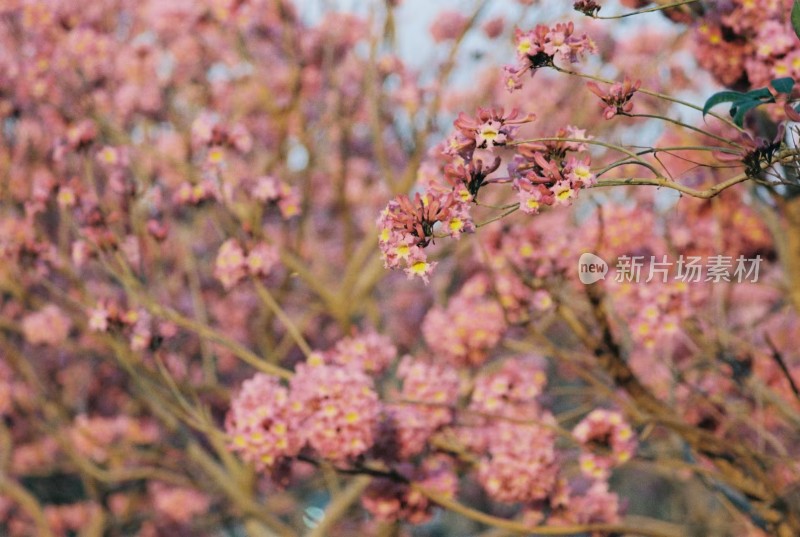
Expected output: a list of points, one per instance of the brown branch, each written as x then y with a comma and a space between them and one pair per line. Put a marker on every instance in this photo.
738, 467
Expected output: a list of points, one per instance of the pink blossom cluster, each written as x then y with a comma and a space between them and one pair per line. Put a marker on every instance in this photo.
138, 325
259, 422
208, 132
179, 504
98, 438
448, 25
654, 313
629, 231
696, 230
747, 43
62, 520
587, 7
513, 434
611, 440
407, 226
48, 326
270, 189
233, 264
335, 409
538, 47
522, 259
426, 403
331, 409
108, 314
511, 390
197, 193
367, 351
70, 518
506, 392
544, 173
490, 129
469, 327
521, 464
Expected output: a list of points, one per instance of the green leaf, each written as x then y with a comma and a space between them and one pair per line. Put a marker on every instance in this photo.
783, 85
722, 97
741, 108
760, 93
796, 17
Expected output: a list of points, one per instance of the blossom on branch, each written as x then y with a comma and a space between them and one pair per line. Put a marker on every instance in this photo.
539, 47
617, 100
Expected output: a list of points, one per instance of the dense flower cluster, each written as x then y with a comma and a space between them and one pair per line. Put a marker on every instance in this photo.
654, 313
522, 259
545, 174
335, 410
611, 439
538, 47
491, 128
259, 422
427, 399
511, 391
470, 326
269, 189
507, 392
368, 351
331, 409
747, 43
521, 464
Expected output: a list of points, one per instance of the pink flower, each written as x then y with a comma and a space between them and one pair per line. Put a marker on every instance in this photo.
261, 259
334, 409
521, 465
259, 423
369, 352
538, 47
180, 504
511, 391
465, 331
617, 100
407, 227
448, 25
412, 420
493, 27
230, 266
48, 326
490, 128
606, 430
543, 174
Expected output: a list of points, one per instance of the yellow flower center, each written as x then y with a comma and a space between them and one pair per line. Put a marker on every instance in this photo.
420, 267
